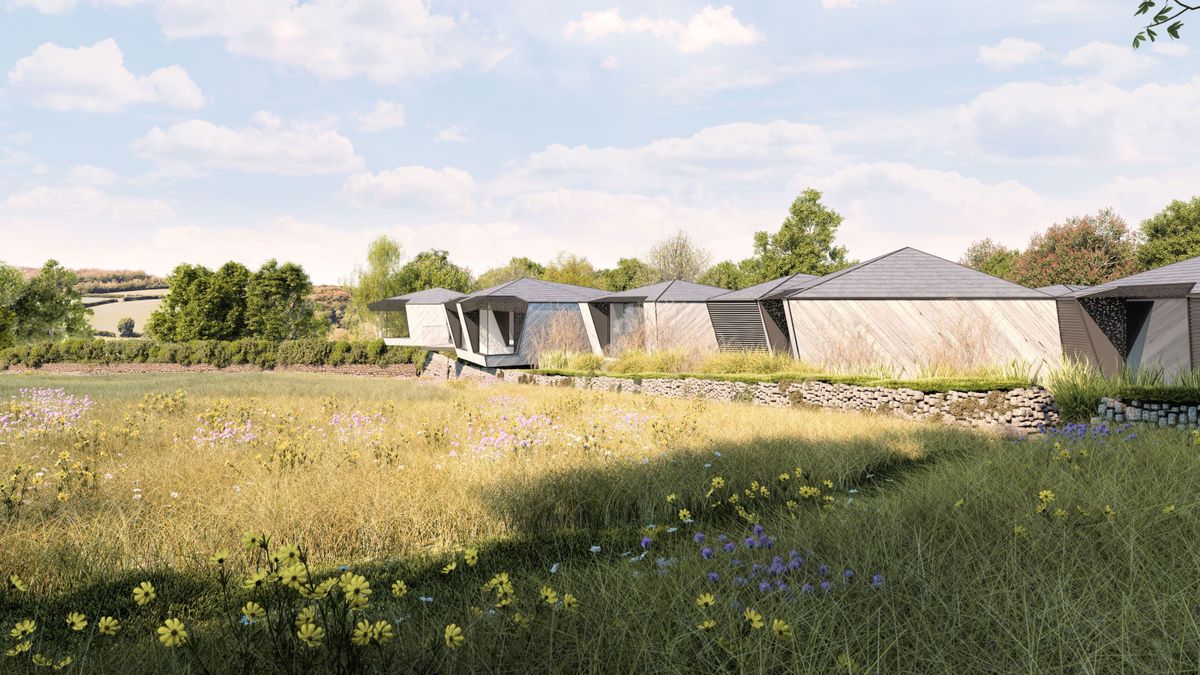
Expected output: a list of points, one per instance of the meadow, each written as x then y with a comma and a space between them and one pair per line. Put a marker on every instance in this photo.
282, 522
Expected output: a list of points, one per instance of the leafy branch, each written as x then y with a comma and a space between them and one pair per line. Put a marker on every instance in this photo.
1167, 15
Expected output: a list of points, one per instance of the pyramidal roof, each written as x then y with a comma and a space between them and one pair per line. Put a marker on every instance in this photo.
429, 296
1185, 274
909, 274
675, 290
1060, 290
767, 288
536, 290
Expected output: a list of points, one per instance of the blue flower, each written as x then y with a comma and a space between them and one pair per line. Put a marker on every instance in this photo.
823, 569
734, 562
806, 588
825, 585
706, 553
714, 577
698, 537
758, 530
749, 542
730, 547
739, 581
646, 542
246, 621
764, 587
877, 581
848, 574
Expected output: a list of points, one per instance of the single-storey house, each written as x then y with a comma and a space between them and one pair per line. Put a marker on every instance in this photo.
1147, 320
509, 325
417, 319
754, 318
666, 315
1062, 290
911, 312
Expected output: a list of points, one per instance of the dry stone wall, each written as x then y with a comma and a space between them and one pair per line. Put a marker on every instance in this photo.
1158, 414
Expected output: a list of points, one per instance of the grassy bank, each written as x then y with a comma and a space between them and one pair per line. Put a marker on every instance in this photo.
877, 539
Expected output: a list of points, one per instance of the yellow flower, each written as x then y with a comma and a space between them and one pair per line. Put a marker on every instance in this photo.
254, 611
520, 619
22, 628
808, 491
1060, 513
1020, 531
671, 498
257, 579
19, 648
253, 539
319, 591
1169, 508
707, 624
706, 600
959, 504
549, 595
753, 618
293, 575
383, 631
144, 593
1109, 512
828, 484
306, 615
504, 600
471, 556
1046, 496
286, 555
40, 660
399, 589
570, 602
780, 628
107, 625
785, 476
311, 634
17, 585
685, 515
172, 633
356, 589
453, 636
77, 621
362, 634
450, 567
64, 662
718, 482
219, 558
476, 612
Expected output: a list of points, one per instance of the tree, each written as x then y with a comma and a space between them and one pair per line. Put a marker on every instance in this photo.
433, 269
48, 307
1167, 15
12, 283
803, 244
380, 279
278, 304
202, 305
1171, 235
516, 268
572, 269
678, 257
725, 274
1086, 250
990, 257
125, 327
629, 273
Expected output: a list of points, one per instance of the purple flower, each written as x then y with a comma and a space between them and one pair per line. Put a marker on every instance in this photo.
806, 588
825, 585
714, 577
764, 587
645, 542
877, 581
749, 542
823, 570
758, 530
780, 585
734, 562
794, 564
739, 581
698, 538
730, 547
848, 574
706, 553
721, 537
765, 541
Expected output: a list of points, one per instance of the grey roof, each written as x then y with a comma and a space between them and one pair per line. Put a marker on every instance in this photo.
911, 274
666, 291
767, 288
536, 290
1181, 278
1060, 290
429, 296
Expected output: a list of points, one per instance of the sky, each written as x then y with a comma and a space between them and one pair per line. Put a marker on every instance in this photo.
143, 134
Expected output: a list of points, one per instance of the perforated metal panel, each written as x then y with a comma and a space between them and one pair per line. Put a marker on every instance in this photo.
738, 325
1077, 346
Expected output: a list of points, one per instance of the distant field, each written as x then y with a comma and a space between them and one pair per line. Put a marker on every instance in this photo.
105, 317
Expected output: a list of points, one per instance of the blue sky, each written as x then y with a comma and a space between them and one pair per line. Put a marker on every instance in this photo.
141, 134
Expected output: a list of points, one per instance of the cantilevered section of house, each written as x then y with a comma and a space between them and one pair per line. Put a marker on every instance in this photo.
1147, 320
666, 315
909, 311
509, 325
754, 318
417, 319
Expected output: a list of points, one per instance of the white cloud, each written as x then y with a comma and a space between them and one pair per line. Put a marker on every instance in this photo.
88, 174
384, 40
95, 79
452, 134
708, 80
1011, 52
709, 27
610, 62
385, 115
64, 6
1109, 61
269, 147
412, 187
851, 4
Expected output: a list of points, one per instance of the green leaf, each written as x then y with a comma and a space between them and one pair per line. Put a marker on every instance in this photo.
1144, 7
1151, 34
1173, 29
1137, 40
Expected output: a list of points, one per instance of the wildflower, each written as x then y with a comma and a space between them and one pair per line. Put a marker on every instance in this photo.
959, 504
847, 574
22, 628
471, 556
19, 648
172, 633
254, 611
730, 547
671, 498
450, 566
1169, 508
107, 625
363, 632
383, 631
294, 576
219, 558
781, 629
144, 593
877, 581
520, 619
554, 567
785, 476
717, 482
319, 591
1109, 512
306, 615
77, 621
570, 602
707, 624
706, 552
706, 600
808, 491
356, 589
549, 595
828, 484
253, 539
714, 577
685, 515
311, 635
698, 538
1060, 513
1020, 530
646, 542
286, 555
257, 579
453, 636
16, 584
399, 589
753, 618
825, 585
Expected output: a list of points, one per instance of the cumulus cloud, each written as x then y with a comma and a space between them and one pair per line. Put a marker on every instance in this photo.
1109, 61
709, 27
95, 79
269, 146
384, 40
851, 4
411, 186
385, 115
1011, 52
64, 6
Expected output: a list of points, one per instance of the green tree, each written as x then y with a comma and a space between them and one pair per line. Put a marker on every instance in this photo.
725, 274
803, 244
433, 269
48, 307
202, 304
629, 273
678, 257
1171, 235
279, 304
1086, 250
125, 327
516, 268
378, 280
572, 269
1167, 15
990, 257
12, 283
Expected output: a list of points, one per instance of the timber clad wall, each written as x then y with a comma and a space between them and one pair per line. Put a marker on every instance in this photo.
1194, 324
679, 325
738, 325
